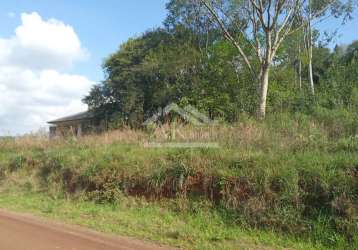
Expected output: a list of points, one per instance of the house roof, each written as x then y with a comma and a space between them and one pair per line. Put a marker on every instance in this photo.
76, 117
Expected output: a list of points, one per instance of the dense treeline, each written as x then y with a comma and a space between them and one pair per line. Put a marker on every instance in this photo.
189, 61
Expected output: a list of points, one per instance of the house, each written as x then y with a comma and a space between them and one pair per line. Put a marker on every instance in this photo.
74, 125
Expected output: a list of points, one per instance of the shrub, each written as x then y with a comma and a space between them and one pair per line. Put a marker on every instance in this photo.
292, 173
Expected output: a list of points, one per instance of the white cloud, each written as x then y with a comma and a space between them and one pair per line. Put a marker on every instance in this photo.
33, 88
40, 44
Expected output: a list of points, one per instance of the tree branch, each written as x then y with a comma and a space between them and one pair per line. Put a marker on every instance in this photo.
228, 36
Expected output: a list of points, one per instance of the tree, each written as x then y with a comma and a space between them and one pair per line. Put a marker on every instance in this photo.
341, 78
146, 73
320, 8
189, 61
310, 45
265, 24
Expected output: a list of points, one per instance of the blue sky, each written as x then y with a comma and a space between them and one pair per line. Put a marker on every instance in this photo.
103, 25
51, 52
346, 33
100, 25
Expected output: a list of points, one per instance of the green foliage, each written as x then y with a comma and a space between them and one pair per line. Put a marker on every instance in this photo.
293, 173
17, 163
339, 121
164, 66
189, 62
177, 223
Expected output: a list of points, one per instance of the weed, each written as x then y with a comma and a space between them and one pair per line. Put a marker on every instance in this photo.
292, 174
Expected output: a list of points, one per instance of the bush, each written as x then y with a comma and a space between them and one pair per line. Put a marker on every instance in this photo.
337, 122
292, 173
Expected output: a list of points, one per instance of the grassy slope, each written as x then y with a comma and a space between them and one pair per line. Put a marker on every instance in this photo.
155, 222
291, 174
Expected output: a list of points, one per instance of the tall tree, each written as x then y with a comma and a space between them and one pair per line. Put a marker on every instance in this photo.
323, 9
265, 24
310, 45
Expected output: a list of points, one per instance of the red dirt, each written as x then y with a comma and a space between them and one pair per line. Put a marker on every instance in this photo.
24, 232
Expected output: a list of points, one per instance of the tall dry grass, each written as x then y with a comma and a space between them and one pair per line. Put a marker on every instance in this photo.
249, 133
281, 174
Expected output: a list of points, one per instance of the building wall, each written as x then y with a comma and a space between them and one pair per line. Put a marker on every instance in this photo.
75, 128
65, 129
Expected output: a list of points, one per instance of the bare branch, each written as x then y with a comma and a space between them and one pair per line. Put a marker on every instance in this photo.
239, 28
269, 13
313, 17
255, 34
278, 8
259, 12
285, 27
227, 35
320, 12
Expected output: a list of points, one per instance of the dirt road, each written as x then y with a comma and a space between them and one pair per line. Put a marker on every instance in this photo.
24, 232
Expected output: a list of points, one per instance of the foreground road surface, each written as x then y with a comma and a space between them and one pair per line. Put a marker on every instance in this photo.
22, 232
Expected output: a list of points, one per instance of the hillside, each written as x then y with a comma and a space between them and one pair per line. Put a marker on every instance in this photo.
289, 182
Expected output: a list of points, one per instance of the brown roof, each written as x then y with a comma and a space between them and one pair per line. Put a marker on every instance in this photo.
87, 115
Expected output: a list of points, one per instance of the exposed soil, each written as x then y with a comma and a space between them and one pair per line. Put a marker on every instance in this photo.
24, 232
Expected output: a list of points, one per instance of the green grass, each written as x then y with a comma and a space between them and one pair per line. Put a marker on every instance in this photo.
205, 229
291, 181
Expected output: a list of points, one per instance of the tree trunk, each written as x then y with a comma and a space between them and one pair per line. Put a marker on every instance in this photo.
310, 55
299, 67
311, 74
310, 49
264, 80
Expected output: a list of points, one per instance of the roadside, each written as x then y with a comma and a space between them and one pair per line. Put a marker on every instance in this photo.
147, 221
25, 232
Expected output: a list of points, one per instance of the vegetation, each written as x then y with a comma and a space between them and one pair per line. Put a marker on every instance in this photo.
293, 176
198, 227
189, 61
288, 181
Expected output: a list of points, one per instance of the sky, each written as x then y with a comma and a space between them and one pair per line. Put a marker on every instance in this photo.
51, 52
